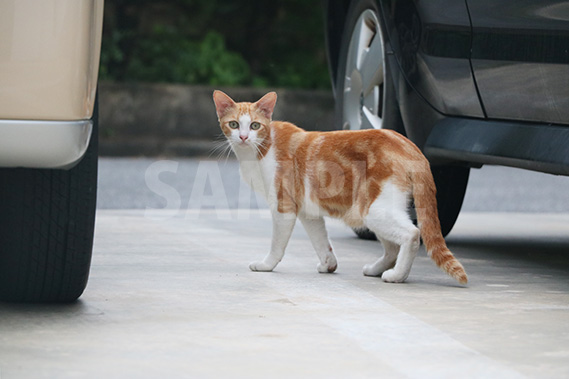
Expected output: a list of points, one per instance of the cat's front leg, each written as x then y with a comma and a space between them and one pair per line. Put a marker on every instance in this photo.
283, 224
316, 229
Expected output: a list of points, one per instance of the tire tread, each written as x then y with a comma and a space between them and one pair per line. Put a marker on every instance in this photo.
46, 230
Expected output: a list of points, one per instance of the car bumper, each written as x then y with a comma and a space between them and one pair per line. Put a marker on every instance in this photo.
43, 144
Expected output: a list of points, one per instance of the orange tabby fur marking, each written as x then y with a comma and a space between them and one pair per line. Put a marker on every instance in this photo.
366, 178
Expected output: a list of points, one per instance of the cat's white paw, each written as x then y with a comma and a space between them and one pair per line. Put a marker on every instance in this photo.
260, 266
327, 268
390, 276
371, 270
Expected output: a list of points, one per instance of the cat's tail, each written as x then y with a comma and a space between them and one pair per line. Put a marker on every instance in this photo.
424, 194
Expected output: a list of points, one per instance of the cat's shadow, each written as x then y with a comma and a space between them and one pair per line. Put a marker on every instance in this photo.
532, 253
543, 251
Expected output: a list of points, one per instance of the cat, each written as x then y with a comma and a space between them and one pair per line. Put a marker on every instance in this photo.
367, 178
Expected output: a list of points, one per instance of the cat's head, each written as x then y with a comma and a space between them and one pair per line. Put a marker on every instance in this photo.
246, 125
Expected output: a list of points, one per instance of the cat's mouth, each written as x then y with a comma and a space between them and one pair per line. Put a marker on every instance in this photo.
243, 144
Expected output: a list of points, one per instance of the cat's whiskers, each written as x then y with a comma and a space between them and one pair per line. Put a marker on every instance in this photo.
218, 148
257, 148
222, 147
261, 146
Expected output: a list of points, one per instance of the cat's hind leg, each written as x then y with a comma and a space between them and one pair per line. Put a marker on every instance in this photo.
386, 262
404, 236
388, 219
283, 224
407, 254
316, 230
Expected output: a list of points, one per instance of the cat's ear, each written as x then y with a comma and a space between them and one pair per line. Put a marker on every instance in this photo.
223, 103
266, 104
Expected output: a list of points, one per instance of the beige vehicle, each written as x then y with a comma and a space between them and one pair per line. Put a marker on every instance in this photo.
49, 60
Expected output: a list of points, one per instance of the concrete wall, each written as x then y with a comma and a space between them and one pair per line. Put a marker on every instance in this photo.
180, 120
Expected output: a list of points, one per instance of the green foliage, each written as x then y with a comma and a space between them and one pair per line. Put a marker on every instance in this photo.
217, 65
224, 43
166, 56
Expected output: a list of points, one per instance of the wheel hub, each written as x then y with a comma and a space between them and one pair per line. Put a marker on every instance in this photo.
364, 75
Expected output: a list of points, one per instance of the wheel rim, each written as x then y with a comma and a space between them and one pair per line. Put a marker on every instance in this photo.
364, 91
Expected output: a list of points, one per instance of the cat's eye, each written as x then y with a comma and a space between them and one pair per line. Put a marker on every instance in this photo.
255, 126
233, 124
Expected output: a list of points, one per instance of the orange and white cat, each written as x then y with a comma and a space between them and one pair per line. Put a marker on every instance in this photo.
367, 178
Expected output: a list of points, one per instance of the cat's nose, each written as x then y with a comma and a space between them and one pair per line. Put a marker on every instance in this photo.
243, 138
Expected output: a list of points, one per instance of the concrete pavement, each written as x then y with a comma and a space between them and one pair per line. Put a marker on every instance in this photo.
173, 297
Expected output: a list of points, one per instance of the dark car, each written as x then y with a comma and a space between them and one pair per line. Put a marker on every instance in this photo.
470, 82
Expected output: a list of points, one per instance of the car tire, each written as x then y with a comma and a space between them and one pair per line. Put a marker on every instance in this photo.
370, 101
362, 104
365, 234
451, 182
47, 221
365, 93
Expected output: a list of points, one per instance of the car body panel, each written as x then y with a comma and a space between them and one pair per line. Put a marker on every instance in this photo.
520, 57
538, 147
49, 58
49, 62
433, 51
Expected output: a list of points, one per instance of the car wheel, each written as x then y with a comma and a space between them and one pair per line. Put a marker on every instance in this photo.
451, 182
365, 234
365, 94
366, 98
47, 220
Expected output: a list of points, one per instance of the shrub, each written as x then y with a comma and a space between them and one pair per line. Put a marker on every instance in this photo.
203, 42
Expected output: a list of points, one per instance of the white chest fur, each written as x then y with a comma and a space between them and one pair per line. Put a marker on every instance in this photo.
259, 174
